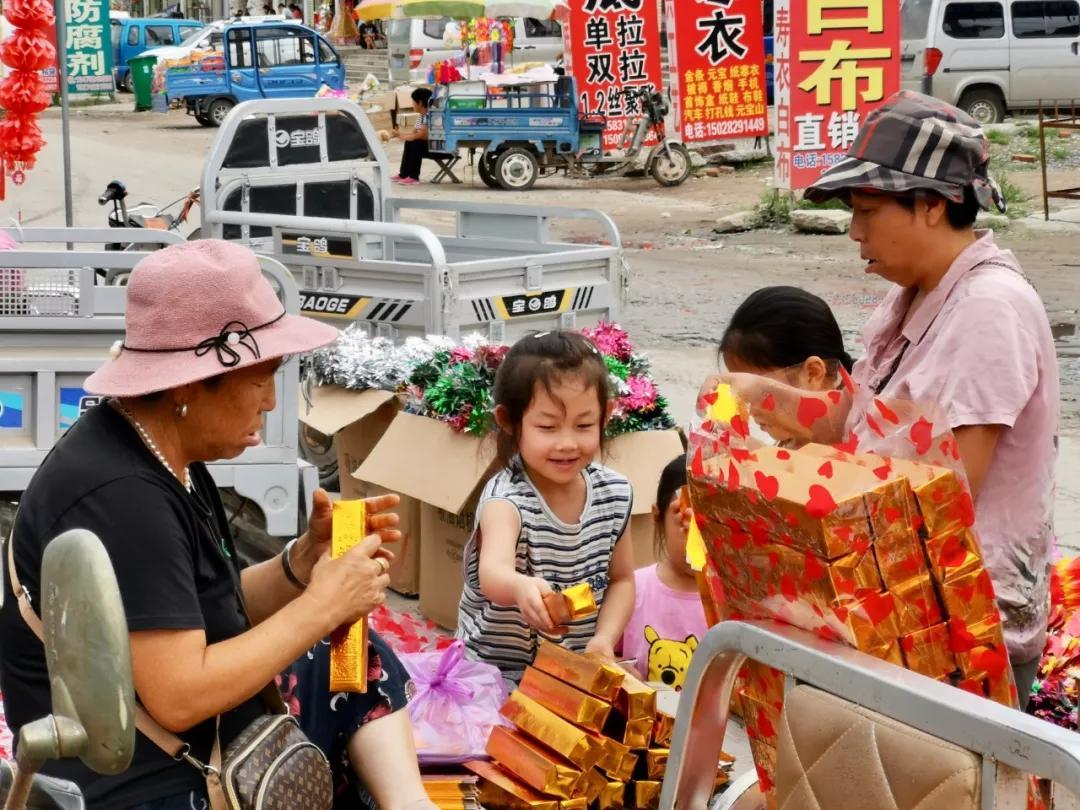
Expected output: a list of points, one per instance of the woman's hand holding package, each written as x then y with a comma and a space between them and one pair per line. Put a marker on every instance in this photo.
381, 520
350, 587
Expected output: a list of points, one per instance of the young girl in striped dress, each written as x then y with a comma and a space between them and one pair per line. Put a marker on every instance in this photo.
551, 517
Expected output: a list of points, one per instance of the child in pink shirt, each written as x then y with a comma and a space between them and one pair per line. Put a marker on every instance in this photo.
668, 619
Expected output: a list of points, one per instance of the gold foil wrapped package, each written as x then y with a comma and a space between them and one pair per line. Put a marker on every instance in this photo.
647, 795
928, 652
548, 728
663, 730
349, 644
618, 760
588, 672
970, 596
538, 768
953, 554
501, 791
571, 604
569, 703
612, 797
636, 700
591, 785
580, 803
656, 763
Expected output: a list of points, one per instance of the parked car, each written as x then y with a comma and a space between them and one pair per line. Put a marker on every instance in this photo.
133, 35
261, 60
415, 45
991, 57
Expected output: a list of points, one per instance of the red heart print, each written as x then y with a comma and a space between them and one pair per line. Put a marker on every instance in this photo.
783, 455
845, 378
710, 399
769, 403
907, 643
813, 569
767, 485
850, 446
892, 515
764, 725
962, 510
917, 523
989, 660
821, 503
791, 519
887, 413
739, 426
752, 497
922, 435
861, 544
884, 471
759, 532
733, 477
878, 606
810, 410
960, 638
697, 464
788, 588
871, 422
825, 470
953, 553
835, 397
740, 454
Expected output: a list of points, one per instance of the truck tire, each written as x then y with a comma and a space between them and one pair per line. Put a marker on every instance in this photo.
319, 450
217, 111
984, 104
517, 169
673, 171
486, 169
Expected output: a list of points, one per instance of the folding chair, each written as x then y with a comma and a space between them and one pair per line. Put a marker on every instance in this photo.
446, 161
908, 737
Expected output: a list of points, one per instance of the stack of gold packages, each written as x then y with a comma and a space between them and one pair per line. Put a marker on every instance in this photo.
874, 552
583, 733
453, 791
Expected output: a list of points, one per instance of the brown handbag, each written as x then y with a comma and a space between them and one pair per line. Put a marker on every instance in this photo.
271, 765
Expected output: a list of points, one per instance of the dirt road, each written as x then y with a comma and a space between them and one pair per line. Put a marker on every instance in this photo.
686, 280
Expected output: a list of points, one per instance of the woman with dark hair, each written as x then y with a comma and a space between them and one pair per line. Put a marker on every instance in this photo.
416, 142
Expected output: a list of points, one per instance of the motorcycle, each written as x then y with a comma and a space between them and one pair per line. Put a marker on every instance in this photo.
142, 215
89, 662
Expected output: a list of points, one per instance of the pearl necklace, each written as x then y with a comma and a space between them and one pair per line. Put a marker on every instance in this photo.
151, 445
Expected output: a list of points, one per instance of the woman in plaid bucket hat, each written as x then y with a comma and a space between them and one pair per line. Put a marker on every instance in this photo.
189, 384
961, 327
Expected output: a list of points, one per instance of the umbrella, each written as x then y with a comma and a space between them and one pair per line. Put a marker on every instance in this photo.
459, 9
369, 10
538, 9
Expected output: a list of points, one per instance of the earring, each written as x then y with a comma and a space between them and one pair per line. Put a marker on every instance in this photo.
181, 410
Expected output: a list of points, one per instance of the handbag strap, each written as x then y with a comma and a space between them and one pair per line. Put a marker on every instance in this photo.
147, 725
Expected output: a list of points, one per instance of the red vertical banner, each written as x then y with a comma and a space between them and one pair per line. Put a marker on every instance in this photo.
835, 61
717, 54
611, 45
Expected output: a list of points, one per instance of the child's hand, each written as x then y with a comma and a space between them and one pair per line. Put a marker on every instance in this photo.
529, 597
602, 647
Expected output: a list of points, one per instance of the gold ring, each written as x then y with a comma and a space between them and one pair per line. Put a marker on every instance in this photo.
384, 564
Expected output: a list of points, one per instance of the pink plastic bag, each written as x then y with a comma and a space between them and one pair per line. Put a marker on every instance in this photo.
455, 705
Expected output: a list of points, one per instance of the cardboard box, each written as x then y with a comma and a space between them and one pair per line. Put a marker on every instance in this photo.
405, 570
356, 420
641, 457
425, 459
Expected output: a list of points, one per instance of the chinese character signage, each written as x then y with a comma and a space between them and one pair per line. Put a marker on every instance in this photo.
717, 52
612, 45
88, 46
835, 61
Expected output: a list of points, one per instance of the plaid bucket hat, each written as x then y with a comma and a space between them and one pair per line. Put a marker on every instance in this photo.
915, 143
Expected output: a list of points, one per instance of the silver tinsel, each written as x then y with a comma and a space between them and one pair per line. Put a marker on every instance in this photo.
359, 362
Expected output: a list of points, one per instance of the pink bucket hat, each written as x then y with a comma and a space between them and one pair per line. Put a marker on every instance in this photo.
197, 310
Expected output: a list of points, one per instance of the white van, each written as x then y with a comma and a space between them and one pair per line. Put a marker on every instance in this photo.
992, 56
415, 45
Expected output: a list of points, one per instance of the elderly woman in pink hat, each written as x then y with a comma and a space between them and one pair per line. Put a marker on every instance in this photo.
188, 385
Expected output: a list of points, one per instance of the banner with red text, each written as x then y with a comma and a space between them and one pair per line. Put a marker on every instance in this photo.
835, 61
612, 45
717, 53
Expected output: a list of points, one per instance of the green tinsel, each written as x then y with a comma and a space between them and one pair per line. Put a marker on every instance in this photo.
463, 388
617, 368
426, 374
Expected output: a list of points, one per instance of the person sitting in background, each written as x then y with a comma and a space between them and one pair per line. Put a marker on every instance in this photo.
416, 142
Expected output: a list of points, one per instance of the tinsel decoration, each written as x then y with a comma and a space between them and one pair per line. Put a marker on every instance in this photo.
1056, 694
454, 382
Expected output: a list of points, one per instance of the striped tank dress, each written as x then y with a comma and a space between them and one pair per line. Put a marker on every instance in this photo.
563, 554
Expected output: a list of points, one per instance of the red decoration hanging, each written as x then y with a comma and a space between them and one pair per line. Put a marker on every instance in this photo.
28, 50
23, 92
31, 15
20, 140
